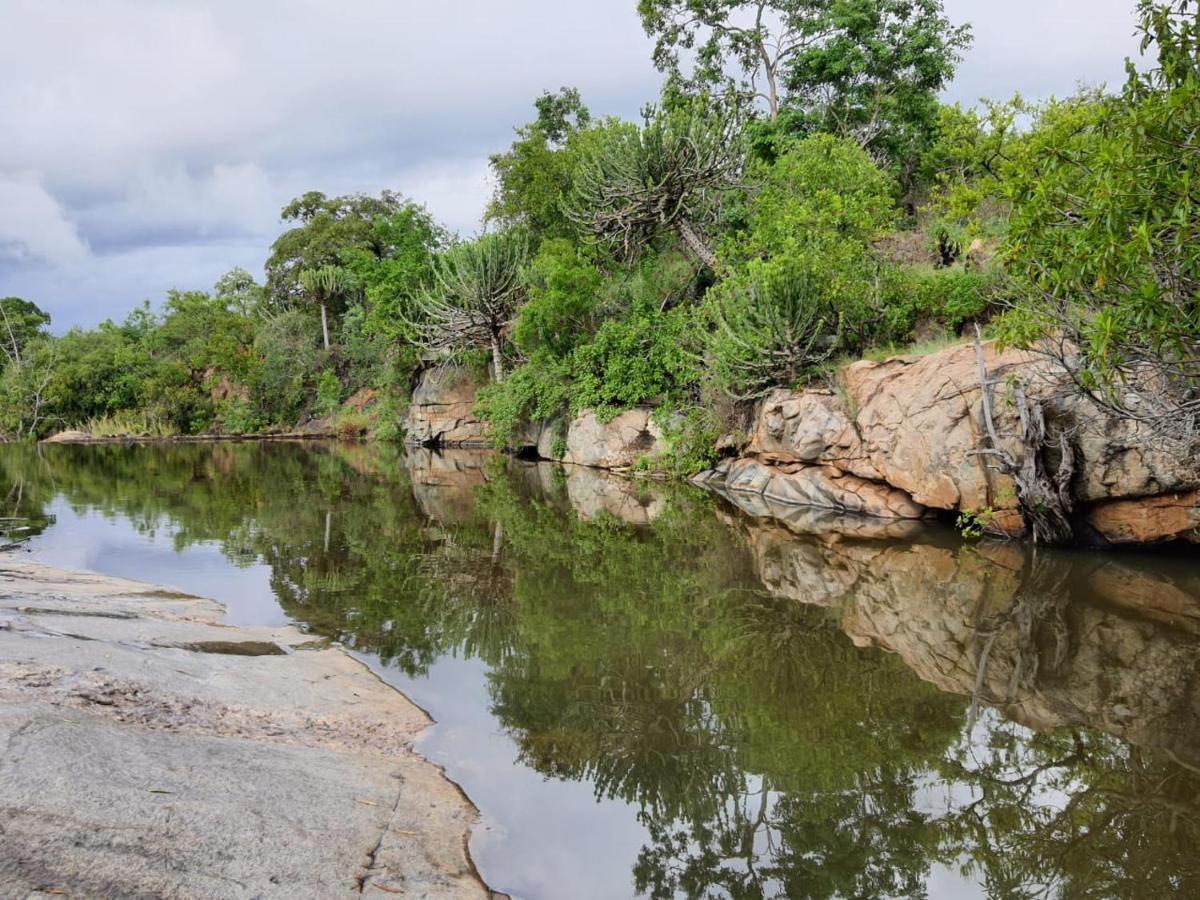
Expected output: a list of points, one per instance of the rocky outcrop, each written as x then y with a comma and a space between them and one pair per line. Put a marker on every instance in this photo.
1169, 517
905, 434
587, 440
442, 410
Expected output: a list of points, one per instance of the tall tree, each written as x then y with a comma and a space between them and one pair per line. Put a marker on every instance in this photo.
20, 323
477, 293
534, 174
325, 286
866, 69
332, 231
669, 175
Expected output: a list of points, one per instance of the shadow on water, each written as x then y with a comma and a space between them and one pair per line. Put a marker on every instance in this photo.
759, 702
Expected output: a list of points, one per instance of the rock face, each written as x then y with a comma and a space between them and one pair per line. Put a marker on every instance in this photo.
618, 444
905, 435
153, 752
823, 487
442, 413
1169, 517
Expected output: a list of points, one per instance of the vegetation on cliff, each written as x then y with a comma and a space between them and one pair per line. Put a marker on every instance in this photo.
797, 194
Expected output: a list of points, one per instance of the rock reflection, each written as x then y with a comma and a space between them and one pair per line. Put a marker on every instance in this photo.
797, 708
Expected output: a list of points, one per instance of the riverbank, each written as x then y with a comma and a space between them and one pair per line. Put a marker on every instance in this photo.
152, 751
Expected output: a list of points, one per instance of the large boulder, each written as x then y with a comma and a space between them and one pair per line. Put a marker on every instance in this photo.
618, 444
442, 410
809, 426
1148, 520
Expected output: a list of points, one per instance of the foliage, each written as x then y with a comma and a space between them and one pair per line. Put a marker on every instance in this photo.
1105, 223
775, 327
669, 175
477, 293
869, 70
535, 173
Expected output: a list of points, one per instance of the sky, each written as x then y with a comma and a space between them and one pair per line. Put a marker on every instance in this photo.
150, 144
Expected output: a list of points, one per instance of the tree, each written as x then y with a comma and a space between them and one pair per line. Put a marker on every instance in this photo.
477, 292
1103, 233
332, 231
773, 329
669, 175
865, 69
325, 286
877, 78
21, 322
759, 36
534, 174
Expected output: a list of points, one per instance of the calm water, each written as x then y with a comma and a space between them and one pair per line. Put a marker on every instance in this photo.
651, 693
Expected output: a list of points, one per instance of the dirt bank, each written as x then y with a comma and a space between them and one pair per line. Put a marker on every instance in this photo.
151, 751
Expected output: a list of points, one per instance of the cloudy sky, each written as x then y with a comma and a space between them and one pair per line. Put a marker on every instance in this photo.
149, 144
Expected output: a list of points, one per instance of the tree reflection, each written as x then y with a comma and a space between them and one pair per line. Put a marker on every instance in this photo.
724, 677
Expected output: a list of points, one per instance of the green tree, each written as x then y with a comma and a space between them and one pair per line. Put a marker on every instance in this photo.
477, 293
21, 322
1104, 228
534, 174
875, 74
331, 231
862, 67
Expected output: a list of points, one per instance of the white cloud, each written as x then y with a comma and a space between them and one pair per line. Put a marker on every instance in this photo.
33, 225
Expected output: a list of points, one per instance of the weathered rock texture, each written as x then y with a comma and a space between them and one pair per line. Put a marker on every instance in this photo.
148, 755
617, 444
442, 410
905, 435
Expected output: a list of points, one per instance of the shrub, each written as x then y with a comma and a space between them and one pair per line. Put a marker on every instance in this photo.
774, 327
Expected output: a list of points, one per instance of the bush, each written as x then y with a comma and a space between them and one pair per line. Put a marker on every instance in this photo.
774, 327
329, 394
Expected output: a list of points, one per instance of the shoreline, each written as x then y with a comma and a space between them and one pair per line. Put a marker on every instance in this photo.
146, 740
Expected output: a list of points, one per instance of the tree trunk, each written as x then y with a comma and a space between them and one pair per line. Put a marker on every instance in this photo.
497, 360
324, 326
695, 243
1044, 499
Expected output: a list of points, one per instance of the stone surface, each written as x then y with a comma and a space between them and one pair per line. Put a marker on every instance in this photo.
442, 410
822, 487
919, 419
1148, 520
810, 427
915, 425
618, 444
136, 767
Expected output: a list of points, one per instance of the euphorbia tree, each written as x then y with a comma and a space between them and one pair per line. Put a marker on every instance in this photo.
478, 290
668, 175
324, 286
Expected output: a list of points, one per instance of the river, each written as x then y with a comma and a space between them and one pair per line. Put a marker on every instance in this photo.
650, 692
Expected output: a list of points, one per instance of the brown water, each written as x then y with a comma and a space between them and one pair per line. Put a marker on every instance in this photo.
650, 692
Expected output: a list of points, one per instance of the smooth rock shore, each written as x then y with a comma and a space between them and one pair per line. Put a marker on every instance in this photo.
150, 751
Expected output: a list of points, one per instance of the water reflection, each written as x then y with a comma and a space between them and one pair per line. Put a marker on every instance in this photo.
786, 707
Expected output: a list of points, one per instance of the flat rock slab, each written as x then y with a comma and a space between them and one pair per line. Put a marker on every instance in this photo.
150, 751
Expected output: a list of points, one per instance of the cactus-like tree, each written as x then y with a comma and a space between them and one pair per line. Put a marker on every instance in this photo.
477, 292
325, 286
667, 175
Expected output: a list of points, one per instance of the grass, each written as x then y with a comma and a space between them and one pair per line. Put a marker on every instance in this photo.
129, 423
